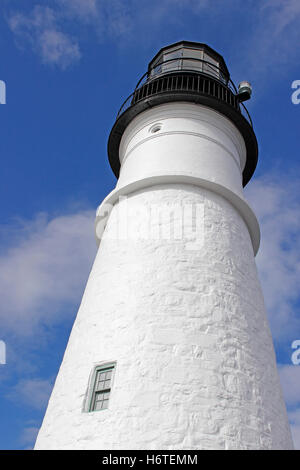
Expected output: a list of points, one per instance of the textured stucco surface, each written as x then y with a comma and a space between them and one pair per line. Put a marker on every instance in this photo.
188, 330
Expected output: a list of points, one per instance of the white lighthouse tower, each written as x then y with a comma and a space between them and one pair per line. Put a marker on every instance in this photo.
171, 348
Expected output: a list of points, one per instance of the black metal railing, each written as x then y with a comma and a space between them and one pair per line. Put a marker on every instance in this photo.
184, 79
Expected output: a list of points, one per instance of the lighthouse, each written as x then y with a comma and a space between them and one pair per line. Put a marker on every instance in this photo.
171, 347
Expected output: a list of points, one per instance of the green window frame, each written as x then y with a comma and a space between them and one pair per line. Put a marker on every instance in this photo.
100, 387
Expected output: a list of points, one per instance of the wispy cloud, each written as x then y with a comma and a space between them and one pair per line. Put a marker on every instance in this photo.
277, 207
58, 48
31, 392
44, 269
28, 437
270, 36
41, 30
112, 18
290, 381
281, 14
294, 418
270, 46
86, 10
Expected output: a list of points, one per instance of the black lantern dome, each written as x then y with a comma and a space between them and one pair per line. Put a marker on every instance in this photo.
193, 72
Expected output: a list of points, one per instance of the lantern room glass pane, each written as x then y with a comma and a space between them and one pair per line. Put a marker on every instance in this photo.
171, 61
188, 62
211, 66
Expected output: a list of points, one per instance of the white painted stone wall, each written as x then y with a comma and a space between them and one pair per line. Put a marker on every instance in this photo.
186, 325
193, 140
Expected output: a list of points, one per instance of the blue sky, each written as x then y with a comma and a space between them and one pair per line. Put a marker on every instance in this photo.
68, 65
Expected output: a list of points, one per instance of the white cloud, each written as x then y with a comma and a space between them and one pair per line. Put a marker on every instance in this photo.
45, 269
57, 48
28, 437
294, 418
41, 30
275, 203
270, 38
31, 392
85, 10
281, 14
290, 381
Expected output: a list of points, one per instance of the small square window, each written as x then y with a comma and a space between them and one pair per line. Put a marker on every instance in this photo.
100, 388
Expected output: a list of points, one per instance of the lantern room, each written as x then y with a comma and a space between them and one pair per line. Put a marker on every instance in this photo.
191, 57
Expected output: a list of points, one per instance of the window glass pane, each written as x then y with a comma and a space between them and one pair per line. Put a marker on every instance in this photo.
173, 54
212, 67
100, 386
173, 64
98, 405
198, 54
156, 70
196, 64
105, 404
